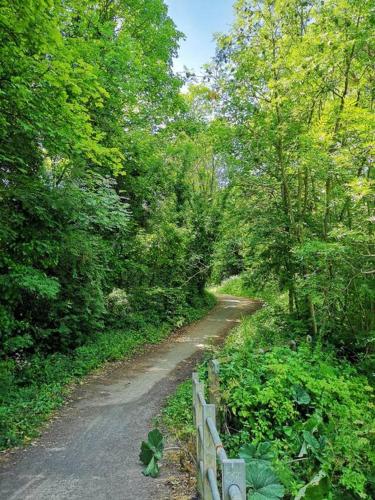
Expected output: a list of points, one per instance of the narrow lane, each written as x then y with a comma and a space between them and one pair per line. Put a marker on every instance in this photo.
91, 450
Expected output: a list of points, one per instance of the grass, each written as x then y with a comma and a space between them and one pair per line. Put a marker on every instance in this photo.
31, 390
235, 285
177, 415
239, 287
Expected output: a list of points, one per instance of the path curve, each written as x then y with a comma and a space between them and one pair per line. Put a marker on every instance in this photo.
90, 451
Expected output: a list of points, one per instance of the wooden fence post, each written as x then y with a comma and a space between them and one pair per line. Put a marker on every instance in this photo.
198, 396
196, 382
209, 451
233, 473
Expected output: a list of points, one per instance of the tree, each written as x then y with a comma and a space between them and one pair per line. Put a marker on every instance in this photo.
295, 82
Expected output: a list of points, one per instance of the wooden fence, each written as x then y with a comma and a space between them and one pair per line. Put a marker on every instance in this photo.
210, 450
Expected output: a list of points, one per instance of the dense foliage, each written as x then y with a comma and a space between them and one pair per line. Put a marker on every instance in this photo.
99, 203
120, 197
302, 419
106, 176
294, 81
316, 412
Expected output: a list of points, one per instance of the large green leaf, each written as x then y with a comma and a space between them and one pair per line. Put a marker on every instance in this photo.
155, 439
316, 489
300, 395
151, 452
316, 445
262, 452
152, 468
146, 453
262, 482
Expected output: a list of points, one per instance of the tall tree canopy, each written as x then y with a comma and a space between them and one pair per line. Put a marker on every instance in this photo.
96, 157
296, 85
111, 179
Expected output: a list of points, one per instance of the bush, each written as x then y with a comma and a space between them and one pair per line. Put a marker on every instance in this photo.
235, 285
54, 262
317, 412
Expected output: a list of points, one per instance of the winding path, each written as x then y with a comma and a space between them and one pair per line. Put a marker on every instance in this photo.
90, 451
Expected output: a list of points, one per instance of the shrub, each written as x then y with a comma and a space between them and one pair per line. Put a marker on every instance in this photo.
317, 412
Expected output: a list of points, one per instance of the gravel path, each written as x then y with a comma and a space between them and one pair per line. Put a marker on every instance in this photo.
90, 451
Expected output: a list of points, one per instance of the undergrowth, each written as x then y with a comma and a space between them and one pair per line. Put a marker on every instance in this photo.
177, 414
312, 410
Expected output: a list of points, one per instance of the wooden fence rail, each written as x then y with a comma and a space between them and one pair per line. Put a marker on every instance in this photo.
210, 450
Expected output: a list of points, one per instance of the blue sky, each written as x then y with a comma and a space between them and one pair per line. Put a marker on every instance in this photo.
199, 20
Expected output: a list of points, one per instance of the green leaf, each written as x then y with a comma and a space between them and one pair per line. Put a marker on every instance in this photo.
262, 453
300, 395
316, 489
146, 453
268, 492
312, 442
263, 482
314, 422
151, 452
155, 439
247, 452
152, 469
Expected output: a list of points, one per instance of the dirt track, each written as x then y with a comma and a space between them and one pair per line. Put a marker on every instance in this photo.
91, 450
